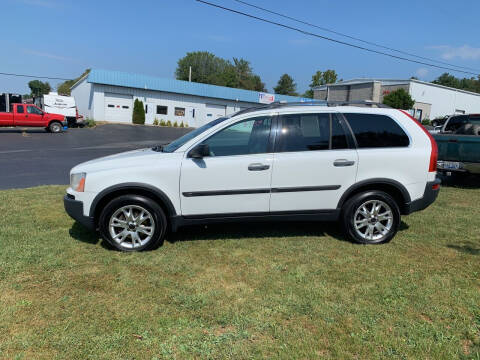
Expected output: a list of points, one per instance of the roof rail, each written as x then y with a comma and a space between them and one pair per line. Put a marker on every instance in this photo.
280, 104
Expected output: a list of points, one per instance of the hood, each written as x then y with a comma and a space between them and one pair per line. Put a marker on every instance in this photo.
132, 159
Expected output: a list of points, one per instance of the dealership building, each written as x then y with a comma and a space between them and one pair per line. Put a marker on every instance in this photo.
109, 96
431, 100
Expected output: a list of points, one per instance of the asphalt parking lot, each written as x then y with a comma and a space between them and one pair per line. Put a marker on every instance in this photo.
31, 157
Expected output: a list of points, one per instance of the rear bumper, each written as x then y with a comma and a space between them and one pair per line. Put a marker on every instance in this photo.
74, 209
429, 196
472, 168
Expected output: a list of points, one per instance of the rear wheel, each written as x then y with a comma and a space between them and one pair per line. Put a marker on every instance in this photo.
371, 217
55, 127
133, 223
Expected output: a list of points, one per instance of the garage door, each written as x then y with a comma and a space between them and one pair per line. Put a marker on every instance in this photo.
118, 107
215, 111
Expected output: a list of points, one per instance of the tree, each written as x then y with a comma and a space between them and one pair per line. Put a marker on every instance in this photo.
469, 84
210, 69
64, 88
321, 78
39, 88
138, 116
399, 99
286, 86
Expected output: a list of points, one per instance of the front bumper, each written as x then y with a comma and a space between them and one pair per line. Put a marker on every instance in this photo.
74, 209
429, 196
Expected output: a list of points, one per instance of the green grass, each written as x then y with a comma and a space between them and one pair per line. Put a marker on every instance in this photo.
244, 291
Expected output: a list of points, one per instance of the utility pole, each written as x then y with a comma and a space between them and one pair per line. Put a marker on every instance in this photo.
190, 74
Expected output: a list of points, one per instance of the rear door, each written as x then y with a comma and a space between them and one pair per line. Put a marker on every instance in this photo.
20, 115
314, 162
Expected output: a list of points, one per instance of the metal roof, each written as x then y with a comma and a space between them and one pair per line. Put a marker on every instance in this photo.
118, 78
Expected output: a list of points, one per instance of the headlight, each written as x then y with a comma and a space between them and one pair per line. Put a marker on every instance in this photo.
77, 181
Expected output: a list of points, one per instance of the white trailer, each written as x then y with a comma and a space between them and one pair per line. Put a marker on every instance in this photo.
58, 104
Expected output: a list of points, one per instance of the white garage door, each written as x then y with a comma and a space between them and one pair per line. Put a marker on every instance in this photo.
118, 107
215, 111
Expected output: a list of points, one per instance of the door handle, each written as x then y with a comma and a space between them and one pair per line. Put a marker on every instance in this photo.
343, 162
258, 167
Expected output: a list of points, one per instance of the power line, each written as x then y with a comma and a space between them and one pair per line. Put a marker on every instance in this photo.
353, 37
334, 40
34, 76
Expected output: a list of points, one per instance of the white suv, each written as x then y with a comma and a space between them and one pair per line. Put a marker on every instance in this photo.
364, 166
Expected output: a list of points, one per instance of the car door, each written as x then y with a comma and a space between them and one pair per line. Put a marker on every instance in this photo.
235, 177
314, 162
34, 116
20, 115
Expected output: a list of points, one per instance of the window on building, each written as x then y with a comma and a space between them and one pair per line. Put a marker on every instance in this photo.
162, 110
111, 105
418, 114
125, 107
246, 137
179, 111
374, 131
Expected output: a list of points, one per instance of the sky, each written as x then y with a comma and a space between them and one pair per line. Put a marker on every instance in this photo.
61, 38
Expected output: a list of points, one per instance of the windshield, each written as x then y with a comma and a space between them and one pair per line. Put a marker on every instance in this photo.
174, 145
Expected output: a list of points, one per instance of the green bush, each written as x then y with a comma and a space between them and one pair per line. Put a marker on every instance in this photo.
155, 122
426, 122
163, 123
175, 124
399, 99
90, 123
181, 125
138, 116
169, 123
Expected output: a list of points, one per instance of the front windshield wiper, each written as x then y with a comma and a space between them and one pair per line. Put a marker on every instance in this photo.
158, 148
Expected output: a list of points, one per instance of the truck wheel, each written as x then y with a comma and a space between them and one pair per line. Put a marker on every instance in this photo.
371, 217
133, 223
55, 127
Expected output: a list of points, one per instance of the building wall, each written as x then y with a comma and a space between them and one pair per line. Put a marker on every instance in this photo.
320, 94
195, 106
82, 94
444, 101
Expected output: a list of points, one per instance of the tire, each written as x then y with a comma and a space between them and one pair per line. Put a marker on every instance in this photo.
55, 127
151, 231
365, 227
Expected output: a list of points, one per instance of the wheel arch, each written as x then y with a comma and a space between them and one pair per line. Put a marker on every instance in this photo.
391, 187
146, 190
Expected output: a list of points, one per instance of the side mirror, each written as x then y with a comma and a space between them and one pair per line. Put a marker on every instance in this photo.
199, 151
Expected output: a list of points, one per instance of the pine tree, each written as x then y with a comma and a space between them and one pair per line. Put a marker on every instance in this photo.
138, 116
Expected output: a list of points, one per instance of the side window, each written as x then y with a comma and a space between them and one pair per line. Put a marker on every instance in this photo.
455, 123
20, 109
246, 137
303, 132
33, 110
162, 110
376, 131
339, 138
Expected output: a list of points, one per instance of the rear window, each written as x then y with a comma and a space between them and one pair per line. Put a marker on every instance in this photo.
376, 131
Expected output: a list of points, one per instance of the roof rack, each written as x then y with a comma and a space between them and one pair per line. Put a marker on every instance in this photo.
280, 104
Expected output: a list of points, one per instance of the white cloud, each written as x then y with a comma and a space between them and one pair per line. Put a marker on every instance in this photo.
421, 72
465, 52
47, 55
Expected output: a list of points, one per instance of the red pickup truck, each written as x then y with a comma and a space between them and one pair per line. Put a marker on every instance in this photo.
30, 115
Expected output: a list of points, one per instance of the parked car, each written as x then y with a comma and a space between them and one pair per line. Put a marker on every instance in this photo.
31, 116
363, 166
459, 144
53, 103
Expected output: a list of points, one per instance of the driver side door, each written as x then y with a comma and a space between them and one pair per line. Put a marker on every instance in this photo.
235, 177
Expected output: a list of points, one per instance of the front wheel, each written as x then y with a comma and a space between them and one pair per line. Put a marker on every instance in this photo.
55, 127
133, 223
371, 217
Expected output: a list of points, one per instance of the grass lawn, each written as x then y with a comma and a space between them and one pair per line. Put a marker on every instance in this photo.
244, 291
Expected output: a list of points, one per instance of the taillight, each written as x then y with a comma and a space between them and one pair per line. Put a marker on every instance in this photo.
434, 152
